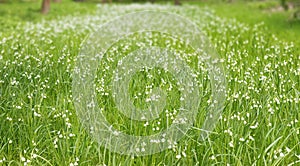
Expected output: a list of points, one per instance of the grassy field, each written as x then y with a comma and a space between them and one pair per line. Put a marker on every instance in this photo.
278, 22
39, 125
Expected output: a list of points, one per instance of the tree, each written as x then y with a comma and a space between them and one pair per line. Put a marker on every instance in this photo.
45, 6
106, 1
292, 4
284, 4
56, 1
177, 2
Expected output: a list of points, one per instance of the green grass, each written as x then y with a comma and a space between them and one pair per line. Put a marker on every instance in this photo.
279, 23
30, 11
39, 125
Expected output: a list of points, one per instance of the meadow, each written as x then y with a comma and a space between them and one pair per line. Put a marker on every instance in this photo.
39, 124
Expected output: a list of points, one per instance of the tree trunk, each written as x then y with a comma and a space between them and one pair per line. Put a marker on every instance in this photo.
152, 1
284, 5
106, 1
45, 6
177, 2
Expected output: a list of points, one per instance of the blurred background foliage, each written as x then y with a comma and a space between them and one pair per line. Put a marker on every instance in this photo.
282, 16
291, 6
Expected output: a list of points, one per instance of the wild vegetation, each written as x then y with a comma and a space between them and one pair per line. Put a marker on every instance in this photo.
39, 125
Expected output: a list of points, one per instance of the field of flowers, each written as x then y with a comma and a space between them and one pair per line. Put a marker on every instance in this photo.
39, 125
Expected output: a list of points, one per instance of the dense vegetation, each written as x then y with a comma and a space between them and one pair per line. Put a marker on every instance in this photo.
39, 125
